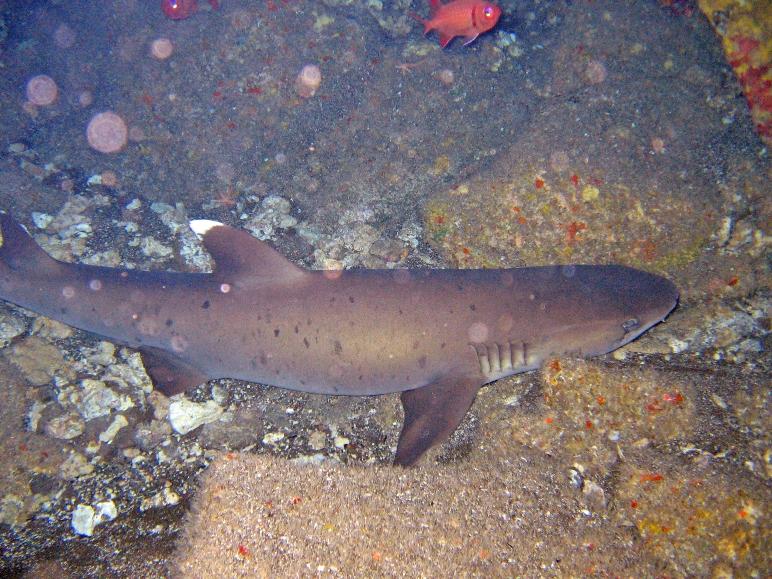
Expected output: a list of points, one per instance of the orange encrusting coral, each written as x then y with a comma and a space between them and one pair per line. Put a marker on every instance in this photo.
746, 30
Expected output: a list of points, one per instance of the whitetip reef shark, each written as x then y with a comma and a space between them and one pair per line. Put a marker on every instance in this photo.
435, 335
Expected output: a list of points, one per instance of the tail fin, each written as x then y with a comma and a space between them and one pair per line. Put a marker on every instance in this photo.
417, 17
19, 251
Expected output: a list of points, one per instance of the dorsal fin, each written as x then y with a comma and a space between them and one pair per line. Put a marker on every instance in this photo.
241, 259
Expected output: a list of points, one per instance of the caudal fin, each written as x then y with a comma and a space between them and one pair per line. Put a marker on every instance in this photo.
19, 252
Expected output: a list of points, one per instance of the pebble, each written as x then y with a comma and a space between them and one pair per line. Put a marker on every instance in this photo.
105, 511
38, 360
151, 247
274, 214
34, 415
50, 329
166, 497
11, 326
594, 495
85, 517
96, 400
185, 415
317, 440
118, 422
102, 355
82, 521
65, 427
273, 438
34, 170
41, 220
11, 510
75, 466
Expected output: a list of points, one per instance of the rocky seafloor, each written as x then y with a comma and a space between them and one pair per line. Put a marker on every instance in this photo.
576, 132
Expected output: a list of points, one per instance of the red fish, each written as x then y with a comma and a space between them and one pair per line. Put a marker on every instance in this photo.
467, 18
179, 9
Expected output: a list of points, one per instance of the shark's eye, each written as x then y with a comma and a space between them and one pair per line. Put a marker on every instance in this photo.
488, 11
630, 325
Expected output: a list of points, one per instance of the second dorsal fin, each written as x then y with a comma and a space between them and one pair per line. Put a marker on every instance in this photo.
240, 258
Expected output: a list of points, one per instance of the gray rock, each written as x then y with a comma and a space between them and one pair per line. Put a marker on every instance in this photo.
185, 415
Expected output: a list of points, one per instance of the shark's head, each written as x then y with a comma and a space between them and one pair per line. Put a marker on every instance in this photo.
617, 305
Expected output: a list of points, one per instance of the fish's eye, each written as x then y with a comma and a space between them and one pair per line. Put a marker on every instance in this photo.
488, 11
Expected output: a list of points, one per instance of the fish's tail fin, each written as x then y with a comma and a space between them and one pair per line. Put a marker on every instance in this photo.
424, 21
434, 6
19, 252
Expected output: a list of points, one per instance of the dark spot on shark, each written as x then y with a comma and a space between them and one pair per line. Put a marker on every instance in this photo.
276, 332
305, 343
400, 311
598, 301
253, 364
169, 323
351, 299
297, 329
472, 307
332, 300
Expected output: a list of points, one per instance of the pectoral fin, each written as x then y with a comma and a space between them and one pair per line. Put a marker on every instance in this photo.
432, 413
170, 375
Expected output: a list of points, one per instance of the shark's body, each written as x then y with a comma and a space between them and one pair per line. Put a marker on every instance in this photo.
434, 335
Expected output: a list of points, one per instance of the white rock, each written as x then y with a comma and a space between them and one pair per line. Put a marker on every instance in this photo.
83, 520
34, 414
66, 427
96, 399
105, 511
11, 326
273, 438
185, 415
118, 422
154, 248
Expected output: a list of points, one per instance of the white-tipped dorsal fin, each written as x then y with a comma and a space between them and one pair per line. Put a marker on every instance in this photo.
241, 259
201, 226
